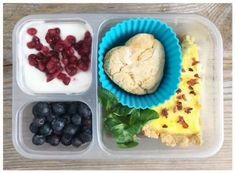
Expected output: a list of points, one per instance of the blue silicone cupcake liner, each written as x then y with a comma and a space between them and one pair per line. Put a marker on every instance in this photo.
118, 35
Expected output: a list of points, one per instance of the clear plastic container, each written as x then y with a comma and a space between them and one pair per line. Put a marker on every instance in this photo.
102, 145
26, 73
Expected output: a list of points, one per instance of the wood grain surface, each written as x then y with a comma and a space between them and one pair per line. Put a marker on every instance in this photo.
219, 14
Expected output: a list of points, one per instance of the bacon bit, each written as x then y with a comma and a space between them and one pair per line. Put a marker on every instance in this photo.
164, 113
182, 96
164, 126
178, 91
196, 75
192, 92
179, 105
182, 122
183, 70
190, 69
194, 62
192, 82
179, 97
188, 110
190, 87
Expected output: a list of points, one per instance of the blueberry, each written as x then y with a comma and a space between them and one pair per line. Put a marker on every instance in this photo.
58, 124
89, 131
58, 132
72, 108
53, 140
85, 137
87, 124
66, 140
58, 108
45, 129
35, 111
38, 139
33, 128
70, 129
76, 119
51, 117
41, 109
66, 118
39, 121
84, 110
76, 142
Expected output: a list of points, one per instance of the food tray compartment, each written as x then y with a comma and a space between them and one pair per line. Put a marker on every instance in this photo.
24, 118
25, 73
22, 137
102, 145
209, 41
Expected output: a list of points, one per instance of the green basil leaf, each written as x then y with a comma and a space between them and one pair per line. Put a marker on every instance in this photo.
147, 115
107, 99
124, 137
135, 128
128, 145
135, 117
118, 129
111, 121
124, 123
122, 110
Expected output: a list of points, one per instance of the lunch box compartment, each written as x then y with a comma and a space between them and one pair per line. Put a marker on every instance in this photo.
209, 41
103, 146
23, 137
23, 77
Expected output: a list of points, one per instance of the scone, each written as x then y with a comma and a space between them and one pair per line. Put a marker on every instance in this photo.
179, 118
137, 67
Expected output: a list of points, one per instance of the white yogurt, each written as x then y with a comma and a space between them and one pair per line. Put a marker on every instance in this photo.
34, 81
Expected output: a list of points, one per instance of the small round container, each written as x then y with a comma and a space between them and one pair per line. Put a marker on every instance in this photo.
123, 31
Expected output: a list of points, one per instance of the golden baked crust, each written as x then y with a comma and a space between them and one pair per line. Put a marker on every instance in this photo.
173, 140
137, 67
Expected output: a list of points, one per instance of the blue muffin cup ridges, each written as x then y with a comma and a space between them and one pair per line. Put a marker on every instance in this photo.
123, 31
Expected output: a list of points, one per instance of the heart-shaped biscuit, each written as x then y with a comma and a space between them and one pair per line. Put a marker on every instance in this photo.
137, 67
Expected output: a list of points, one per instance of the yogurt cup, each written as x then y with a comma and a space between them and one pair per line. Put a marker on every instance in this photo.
32, 80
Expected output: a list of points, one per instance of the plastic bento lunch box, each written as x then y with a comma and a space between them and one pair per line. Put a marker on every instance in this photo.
102, 145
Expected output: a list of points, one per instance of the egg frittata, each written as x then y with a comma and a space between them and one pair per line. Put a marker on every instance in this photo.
179, 118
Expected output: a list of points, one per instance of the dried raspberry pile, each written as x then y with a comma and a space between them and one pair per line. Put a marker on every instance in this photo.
59, 59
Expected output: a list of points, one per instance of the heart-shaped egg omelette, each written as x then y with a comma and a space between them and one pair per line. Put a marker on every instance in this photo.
136, 67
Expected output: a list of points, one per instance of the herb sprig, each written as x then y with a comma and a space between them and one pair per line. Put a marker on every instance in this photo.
122, 122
